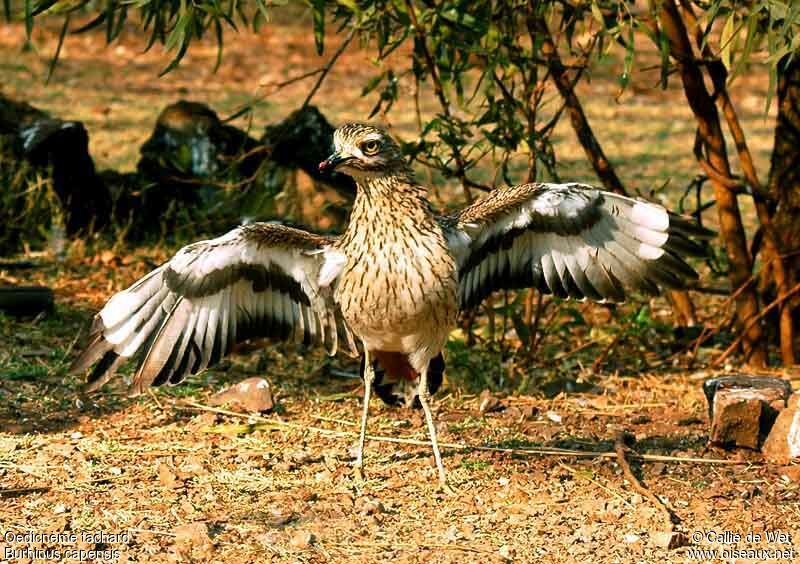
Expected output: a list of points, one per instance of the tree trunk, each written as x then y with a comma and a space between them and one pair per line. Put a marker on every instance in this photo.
773, 274
711, 135
682, 306
784, 173
594, 152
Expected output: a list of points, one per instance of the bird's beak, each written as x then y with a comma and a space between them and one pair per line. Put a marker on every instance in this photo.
330, 164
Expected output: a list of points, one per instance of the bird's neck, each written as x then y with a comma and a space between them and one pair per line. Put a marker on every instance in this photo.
391, 197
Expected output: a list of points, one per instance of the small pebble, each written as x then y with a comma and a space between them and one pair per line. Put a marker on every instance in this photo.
553, 416
506, 552
302, 540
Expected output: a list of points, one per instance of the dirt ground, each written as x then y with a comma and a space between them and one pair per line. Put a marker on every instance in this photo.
535, 476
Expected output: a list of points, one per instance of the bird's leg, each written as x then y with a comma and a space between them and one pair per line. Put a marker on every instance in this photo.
424, 397
369, 378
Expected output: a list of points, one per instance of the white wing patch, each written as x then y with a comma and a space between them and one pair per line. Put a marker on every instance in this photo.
331, 267
571, 240
258, 280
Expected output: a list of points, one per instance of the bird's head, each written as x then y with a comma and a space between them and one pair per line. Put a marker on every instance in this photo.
363, 151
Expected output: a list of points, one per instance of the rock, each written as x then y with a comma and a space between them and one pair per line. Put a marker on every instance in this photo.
737, 414
506, 553
185, 164
783, 442
487, 402
253, 395
302, 540
42, 155
669, 540
368, 506
743, 409
303, 140
192, 156
772, 389
192, 540
190, 141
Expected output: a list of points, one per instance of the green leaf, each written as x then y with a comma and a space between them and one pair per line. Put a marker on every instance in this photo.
54, 60
663, 45
262, 8
92, 24
218, 29
749, 44
247, 108
28, 19
319, 24
458, 16
597, 14
176, 61
625, 78
121, 18
522, 329
372, 84
726, 41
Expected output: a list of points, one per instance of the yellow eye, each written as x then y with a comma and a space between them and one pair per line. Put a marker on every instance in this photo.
370, 147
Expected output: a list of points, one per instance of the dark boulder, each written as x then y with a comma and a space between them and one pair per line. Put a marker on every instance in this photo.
36, 148
190, 142
303, 140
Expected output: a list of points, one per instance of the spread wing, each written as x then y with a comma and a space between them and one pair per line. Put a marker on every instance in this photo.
570, 240
257, 280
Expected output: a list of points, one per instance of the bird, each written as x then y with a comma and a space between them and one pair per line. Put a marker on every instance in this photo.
391, 287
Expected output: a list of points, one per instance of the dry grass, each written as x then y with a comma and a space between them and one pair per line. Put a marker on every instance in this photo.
150, 466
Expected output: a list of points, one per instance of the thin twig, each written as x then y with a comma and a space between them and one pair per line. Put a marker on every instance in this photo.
753, 320
289, 81
458, 446
333, 420
326, 69
14, 492
605, 352
598, 484
398, 545
438, 89
620, 450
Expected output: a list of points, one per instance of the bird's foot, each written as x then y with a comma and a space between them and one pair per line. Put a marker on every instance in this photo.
358, 472
446, 488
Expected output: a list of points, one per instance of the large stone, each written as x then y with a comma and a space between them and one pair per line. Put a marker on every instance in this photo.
737, 417
783, 443
197, 169
303, 140
39, 152
189, 156
253, 395
770, 389
744, 408
190, 141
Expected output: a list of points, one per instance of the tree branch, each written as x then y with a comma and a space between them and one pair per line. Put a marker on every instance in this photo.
713, 140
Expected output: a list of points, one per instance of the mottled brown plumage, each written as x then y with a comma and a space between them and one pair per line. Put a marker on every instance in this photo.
393, 284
